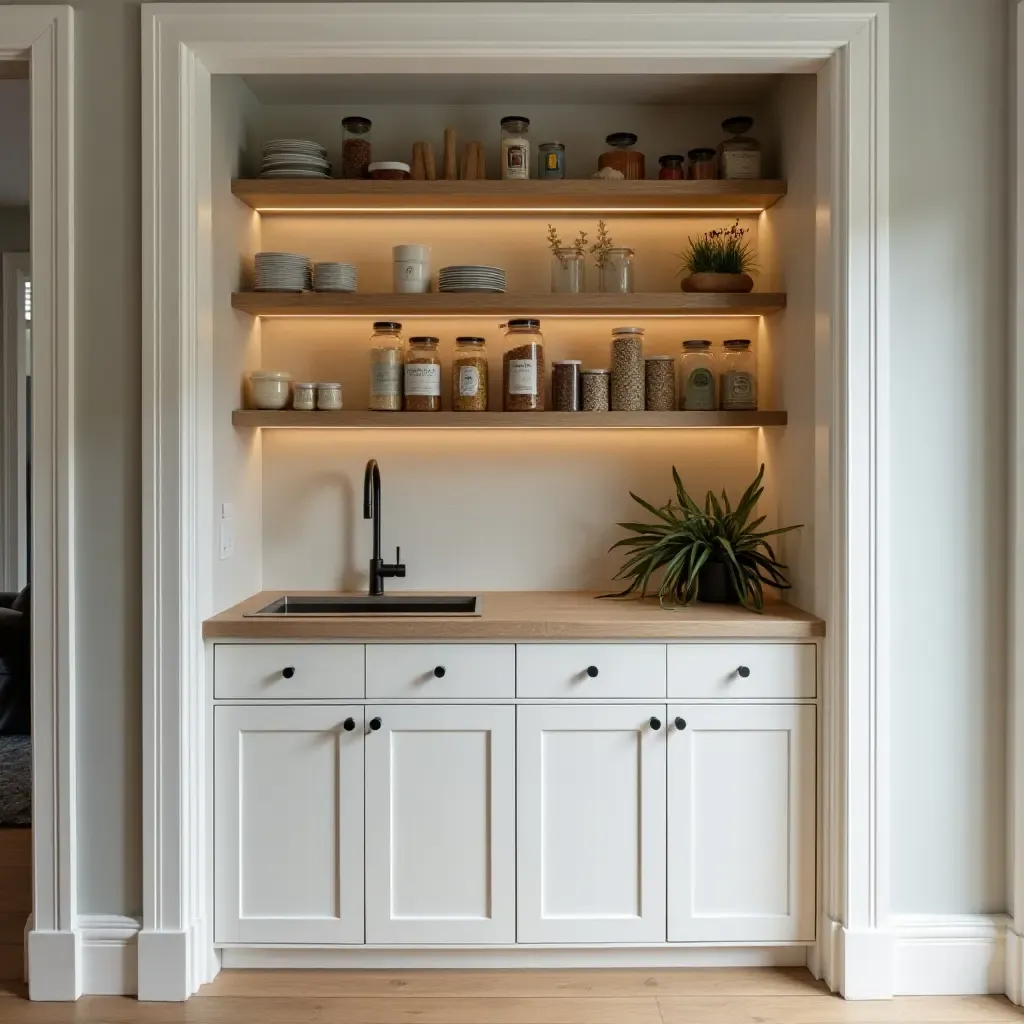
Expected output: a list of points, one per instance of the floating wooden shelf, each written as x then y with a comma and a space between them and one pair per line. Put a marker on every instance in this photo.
364, 419
588, 195
433, 304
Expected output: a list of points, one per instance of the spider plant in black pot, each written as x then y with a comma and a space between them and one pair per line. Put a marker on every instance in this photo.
710, 554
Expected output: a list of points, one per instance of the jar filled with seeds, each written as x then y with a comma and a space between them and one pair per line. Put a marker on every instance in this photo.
594, 386
422, 376
469, 375
697, 372
628, 369
738, 376
565, 385
660, 383
355, 147
523, 366
387, 356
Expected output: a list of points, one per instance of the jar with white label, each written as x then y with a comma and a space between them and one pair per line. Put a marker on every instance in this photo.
469, 375
738, 376
515, 148
523, 366
697, 376
387, 359
422, 376
739, 156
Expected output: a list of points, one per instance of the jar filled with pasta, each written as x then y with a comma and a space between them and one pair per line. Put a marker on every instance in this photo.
523, 366
387, 358
422, 376
469, 375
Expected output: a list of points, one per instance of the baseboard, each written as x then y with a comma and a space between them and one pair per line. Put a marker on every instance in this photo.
937, 954
54, 966
164, 966
109, 954
862, 962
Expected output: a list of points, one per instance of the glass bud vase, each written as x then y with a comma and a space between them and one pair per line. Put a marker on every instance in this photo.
567, 272
616, 272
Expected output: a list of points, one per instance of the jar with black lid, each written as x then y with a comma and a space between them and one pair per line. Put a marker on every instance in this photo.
702, 164
523, 366
355, 147
671, 167
622, 157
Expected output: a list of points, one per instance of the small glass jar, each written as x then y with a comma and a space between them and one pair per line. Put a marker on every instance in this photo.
616, 272
469, 375
702, 164
697, 371
523, 367
551, 160
660, 384
422, 376
739, 157
594, 384
628, 378
671, 167
355, 147
304, 396
565, 385
622, 157
387, 356
567, 271
328, 397
738, 376
515, 148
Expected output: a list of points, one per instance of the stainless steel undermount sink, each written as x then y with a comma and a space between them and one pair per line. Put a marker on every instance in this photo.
362, 604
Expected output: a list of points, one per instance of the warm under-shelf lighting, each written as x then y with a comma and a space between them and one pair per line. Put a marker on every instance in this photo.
499, 316
438, 210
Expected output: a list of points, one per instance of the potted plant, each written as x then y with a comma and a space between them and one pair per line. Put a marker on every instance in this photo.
719, 261
713, 554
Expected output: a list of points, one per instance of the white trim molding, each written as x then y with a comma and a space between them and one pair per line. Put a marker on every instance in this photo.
936, 954
847, 46
45, 33
109, 954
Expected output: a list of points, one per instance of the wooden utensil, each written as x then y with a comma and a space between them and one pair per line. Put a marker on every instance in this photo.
428, 159
481, 162
451, 168
419, 162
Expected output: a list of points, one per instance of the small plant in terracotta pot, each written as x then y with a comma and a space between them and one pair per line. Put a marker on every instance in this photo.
719, 261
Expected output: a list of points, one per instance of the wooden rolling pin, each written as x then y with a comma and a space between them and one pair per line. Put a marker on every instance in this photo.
451, 167
428, 158
419, 162
481, 162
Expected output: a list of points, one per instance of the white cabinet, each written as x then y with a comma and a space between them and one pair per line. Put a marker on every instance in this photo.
591, 671
288, 803
591, 824
741, 823
440, 824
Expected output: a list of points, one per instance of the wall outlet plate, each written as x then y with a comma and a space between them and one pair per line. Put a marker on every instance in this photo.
227, 538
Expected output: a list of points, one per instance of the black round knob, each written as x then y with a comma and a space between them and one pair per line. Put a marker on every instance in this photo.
592, 671
349, 724
288, 672
375, 724
655, 723
743, 671
680, 724
439, 671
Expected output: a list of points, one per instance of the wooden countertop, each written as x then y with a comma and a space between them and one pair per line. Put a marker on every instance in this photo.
551, 615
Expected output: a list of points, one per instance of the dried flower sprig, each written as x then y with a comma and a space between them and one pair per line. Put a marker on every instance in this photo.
602, 245
557, 248
722, 251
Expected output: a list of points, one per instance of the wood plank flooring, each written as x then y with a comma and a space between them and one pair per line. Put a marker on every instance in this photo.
15, 901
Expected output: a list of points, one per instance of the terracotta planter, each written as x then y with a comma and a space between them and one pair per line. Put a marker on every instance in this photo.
718, 283
714, 585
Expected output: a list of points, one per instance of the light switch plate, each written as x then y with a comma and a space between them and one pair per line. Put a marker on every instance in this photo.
227, 538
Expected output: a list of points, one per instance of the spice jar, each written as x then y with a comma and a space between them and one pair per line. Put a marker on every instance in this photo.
627, 392
660, 383
515, 148
616, 271
594, 385
738, 376
355, 147
328, 397
702, 164
422, 376
697, 370
551, 160
740, 155
622, 157
469, 375
304, 396
523, 376
671, 167
565, 385
386, 358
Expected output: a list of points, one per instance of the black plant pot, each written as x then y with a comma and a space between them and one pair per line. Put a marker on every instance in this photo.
714, 584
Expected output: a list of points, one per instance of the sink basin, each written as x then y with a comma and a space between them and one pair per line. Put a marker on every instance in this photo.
360, 604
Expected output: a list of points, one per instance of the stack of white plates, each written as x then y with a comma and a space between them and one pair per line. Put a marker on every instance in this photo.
471, 279
334, 277
282, 272
294, 158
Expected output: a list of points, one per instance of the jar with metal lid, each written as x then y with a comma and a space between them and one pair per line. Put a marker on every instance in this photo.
551, 160
622, 157
697, 373
523, 366
702, 164
304, 396
469, 375
660, 384
565, 385
671, 167
355, 147
616, 271
328, 397
594, 388
738, 375
387, 356
740, 155
627, 369
422, 376
515, 148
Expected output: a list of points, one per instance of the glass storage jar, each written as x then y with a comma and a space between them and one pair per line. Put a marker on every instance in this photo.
355, 147
523, 366
567, 271
660, 384
697, 371
565, 385
622, 157
328, 397
671, 167
469, 375
422, 376
739, 156
515, 148
551, 160
702, 164
387, 355
628, 384
594, 386
304, 396
616, 271
738, 376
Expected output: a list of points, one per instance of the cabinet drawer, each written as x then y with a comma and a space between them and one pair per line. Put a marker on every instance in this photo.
288, 671
440, 670
590, 671
741, 671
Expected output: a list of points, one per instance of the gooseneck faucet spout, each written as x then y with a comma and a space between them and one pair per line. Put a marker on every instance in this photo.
379, 569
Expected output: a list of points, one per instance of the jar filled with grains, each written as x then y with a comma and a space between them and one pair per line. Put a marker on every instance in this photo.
355, 147
422, 376
328, 397
697, 372
304, 396
565, 385
387, 355
738, 376
627, 369
523, 376
469, 375
594, 385
660, 383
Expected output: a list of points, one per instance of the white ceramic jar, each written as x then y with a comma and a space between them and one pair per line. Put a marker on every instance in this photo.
328, 397
411, 268
304, 396
271, 389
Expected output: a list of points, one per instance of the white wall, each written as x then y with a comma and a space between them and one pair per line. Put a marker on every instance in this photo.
14, 142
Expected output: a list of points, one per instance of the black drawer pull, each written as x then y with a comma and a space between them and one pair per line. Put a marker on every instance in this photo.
288, 672
592, 671
743, 671
655, 724
349, 724
680, 724
439, 672
375, 724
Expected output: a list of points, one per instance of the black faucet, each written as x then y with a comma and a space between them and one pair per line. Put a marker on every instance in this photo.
379, 569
